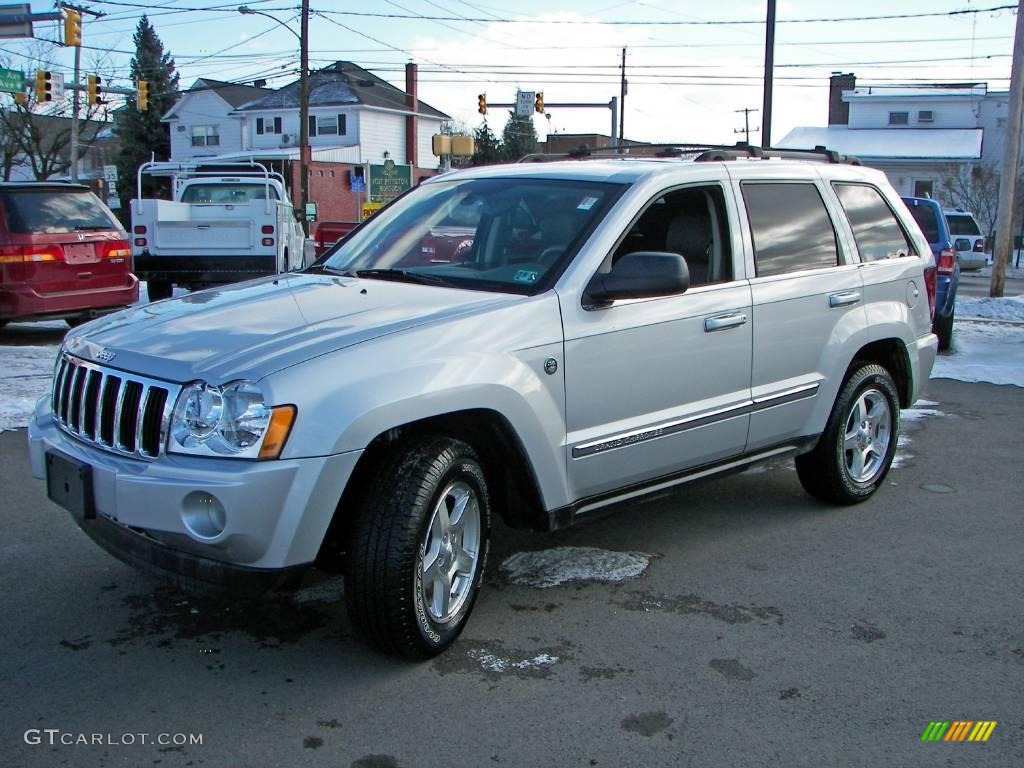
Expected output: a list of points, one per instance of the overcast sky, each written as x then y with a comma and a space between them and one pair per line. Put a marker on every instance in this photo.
687, 77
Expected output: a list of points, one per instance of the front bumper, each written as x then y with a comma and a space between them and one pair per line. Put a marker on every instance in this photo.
922, 359
150, 513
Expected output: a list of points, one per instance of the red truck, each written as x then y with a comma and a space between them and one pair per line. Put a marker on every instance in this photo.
327, 233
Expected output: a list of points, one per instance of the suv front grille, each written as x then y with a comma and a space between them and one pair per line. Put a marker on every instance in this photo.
119, 412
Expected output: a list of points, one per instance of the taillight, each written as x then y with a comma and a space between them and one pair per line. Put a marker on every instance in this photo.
268, 229
268, 241
929, 285
30, 254
117, 249
140, 229
947, 261
979, 245
140, 242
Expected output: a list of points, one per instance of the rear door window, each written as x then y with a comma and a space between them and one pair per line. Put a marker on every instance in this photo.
875, 228
790, 227
55, 211
925, 217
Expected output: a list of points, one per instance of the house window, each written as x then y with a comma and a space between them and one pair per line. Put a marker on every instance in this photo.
923, 188
268, 125
205, 136
326, 126
899, 118
926, 116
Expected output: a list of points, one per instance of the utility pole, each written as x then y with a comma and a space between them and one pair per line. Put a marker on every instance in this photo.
769, 66
74, 93
746, 123
622, 100
1011, 159
304, 154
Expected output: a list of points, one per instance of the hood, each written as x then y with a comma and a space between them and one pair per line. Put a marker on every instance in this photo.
249, 330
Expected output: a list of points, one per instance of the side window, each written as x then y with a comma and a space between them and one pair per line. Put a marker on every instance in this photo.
790, 227
691, 222
875, 228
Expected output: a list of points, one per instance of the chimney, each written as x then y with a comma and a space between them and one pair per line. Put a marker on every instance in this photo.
412, 102
839, 110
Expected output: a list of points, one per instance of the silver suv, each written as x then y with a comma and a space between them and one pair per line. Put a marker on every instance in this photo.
603, 330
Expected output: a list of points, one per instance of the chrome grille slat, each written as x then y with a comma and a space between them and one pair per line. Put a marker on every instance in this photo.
113, 410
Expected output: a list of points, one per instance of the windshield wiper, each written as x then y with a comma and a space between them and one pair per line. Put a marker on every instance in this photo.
90, 227
401, 275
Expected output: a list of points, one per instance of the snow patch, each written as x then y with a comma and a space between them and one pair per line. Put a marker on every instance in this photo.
984, 352
25, 377
491, 663
551, 567
919, 414
986, 308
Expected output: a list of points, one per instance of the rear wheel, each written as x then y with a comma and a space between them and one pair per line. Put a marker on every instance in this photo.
856, 449
419, 547
943, 328
158, 289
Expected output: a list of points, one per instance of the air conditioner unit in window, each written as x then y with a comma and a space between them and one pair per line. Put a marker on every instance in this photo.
926, 116
181, 129
286, 138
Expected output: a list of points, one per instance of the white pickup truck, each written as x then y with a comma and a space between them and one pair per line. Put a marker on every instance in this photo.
226, 223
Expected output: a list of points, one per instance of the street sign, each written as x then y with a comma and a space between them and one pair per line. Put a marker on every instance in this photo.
16, 20
12, 80
113, 202
57, 83
389, 180
358, 184
371, 208
110, 173
524, 103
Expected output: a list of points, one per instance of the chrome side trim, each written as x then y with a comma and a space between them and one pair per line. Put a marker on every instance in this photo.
696, 475
635, 436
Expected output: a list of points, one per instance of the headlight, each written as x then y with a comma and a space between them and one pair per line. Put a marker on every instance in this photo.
233, 420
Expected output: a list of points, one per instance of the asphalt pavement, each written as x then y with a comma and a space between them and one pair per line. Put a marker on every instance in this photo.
769, 630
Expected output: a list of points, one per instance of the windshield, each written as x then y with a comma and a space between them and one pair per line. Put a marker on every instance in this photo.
962, 225
511, 234
54, 211
227, 194
924, 215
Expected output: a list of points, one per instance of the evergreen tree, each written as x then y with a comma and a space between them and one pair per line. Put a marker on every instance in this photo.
487, 147
142, 134
519, 137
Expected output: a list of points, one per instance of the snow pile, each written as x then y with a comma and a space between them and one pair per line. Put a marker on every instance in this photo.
491, 663
25, 374
1009, 308
920, 411
551, 567
988, 352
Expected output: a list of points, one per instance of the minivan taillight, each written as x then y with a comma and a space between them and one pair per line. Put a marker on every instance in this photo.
979, 245
947, 261
16, 254
929, 286
115, 249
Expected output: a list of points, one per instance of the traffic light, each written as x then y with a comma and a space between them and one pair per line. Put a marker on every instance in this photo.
142, 95
72, 27
481, 103
95, 89
538, 104
44, 86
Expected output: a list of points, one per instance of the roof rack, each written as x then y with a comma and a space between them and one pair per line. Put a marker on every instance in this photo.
696, 152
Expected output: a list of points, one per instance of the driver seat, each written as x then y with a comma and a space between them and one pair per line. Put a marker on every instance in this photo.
689, 235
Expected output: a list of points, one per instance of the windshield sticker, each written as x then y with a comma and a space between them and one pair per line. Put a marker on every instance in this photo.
526, 276
586, 204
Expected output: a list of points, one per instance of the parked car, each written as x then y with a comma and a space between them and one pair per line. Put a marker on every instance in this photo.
327, 233
968, 241
63, 254
928, 215
618, 328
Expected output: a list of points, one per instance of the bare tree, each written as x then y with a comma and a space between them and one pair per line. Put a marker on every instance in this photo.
975, 189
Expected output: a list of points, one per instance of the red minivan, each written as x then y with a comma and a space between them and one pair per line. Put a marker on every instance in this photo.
62, 254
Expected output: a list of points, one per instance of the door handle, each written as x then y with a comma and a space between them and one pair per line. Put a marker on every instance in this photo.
843, 299
721, 322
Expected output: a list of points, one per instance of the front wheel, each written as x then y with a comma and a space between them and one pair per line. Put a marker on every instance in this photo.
856, 449
419, 547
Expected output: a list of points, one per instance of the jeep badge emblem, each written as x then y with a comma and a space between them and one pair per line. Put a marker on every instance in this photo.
550, 366
104, 355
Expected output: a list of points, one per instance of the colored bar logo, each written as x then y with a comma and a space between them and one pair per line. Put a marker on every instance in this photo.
958, 730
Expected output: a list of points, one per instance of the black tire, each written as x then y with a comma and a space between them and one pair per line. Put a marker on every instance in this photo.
74, 322
384, 585
824, 472
943, 327
158, 289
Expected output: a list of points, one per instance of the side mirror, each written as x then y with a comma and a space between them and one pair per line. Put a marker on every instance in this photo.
641, 275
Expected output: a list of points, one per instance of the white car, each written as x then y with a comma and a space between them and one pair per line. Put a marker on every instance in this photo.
968, 241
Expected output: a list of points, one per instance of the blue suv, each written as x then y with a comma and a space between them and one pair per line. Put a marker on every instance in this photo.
946, 276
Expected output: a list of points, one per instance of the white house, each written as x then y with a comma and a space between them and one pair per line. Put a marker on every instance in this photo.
201, 122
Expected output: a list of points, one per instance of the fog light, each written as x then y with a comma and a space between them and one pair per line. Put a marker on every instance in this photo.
204, 515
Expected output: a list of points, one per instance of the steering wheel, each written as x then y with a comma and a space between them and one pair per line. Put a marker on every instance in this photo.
550, 254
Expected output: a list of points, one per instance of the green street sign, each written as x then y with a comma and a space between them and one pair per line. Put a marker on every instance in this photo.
12, 80
389, 180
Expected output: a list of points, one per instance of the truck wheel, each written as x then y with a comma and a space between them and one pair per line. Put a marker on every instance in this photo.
856, 449
944, 330
158, 289
419, 547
